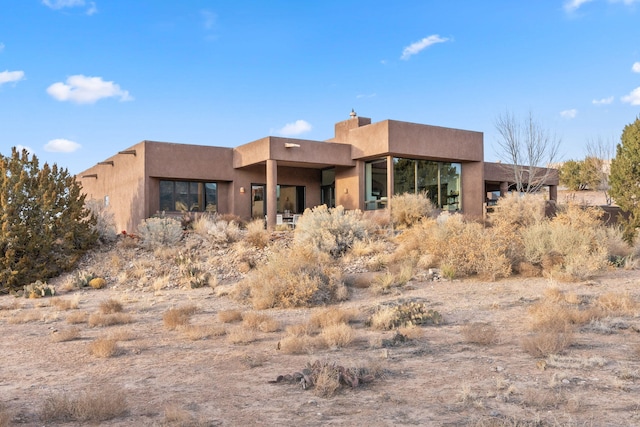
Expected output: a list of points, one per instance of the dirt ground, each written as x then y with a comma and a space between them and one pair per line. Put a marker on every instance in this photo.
438, 378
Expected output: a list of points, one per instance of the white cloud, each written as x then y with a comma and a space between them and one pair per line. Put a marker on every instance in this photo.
418, 46
569, 114
209, 19
86, 90
296, 128
573, 5
61, 146
633, 98
603, 101
61, 4
635, 67
11, 76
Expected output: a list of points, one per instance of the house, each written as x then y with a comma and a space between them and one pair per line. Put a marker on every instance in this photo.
361, 167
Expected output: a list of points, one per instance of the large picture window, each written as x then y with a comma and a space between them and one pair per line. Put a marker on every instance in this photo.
188, 196
375, 183
439, 180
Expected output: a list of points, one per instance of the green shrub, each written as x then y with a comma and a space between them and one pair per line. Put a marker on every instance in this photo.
295, 278
409, 208
160, 231
332, 231
44, 225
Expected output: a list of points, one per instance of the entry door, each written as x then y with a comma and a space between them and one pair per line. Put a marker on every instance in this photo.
328, 195
258, 200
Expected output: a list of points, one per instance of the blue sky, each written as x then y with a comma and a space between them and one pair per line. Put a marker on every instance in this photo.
83, 79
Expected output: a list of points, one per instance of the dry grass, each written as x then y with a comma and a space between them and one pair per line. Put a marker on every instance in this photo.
331, 316
99, 319
201, 332
228, 316
104, 347
326, 381
175, 317
77, 317
26, 316
110, 306
295, 344
337, 335
257, 235
240, 335
65, 304
300, 329
260, 322
69, 334
548, 316
89, 406
480, 333
177, 416
547, 343
617, 304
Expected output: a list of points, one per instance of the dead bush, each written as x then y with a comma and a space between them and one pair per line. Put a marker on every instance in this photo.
110, 306
104, 347
65, 304
257, 235
480, 333
99, 319
295, 344
260, 322
295, 278
331, 316
240, 335
69, 334
543, 344
77, 317
94, 405
228, 316
175, 317
408, 209
617, 303
201, 332
337, 335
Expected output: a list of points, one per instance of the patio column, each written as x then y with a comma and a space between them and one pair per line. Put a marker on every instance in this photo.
272, 195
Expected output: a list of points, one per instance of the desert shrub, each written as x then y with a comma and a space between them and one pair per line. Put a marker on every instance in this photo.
331, 316
574, 243
64, 335
409, 208
38, 289
110, 306
217, 229
105, 226
337, 335
480, 333
175, 317
618, 249
228, 316
194, 273
260, 322
102, 404
295, 278
459, 247
257, 235
543, 344
518, 211
99, 319
104, 347
160, 231
65, 304
46, 227
402, 314
331, 230
200, 332
241, 335
617, 304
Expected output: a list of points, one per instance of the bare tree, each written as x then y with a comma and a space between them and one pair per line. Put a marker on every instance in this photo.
601, 151
528, 148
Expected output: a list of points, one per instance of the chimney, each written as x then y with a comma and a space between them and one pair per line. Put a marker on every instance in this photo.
342, 128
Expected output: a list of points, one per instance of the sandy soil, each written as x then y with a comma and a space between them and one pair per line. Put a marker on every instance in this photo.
438, 378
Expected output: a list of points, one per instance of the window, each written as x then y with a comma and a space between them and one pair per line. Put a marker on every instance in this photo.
189, 196
375, 196
290, 199
440, 180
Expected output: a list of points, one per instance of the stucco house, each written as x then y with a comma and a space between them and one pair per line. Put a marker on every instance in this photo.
361, 167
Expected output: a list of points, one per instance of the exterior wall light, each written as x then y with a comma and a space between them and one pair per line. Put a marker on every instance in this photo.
241, 190
291, 145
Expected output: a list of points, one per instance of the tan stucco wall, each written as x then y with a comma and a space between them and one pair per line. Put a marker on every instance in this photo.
123, 183
303, 152
473, 194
